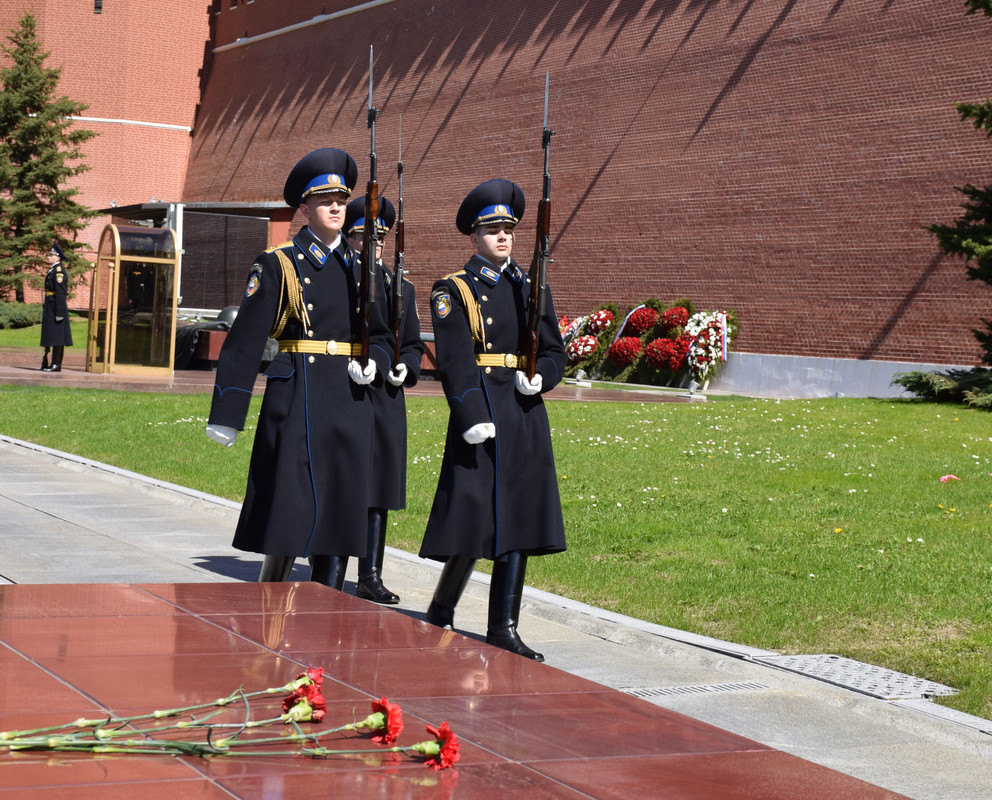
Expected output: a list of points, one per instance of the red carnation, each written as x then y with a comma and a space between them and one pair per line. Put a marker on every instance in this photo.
392, 721
310, 695
446, 747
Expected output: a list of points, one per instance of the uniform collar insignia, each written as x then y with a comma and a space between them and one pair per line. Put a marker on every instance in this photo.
483, 269
315, 251
319, 255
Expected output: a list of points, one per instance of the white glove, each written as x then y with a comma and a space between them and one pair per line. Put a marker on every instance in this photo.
479, 433
525, 386
397, 374
363, 377
222, 434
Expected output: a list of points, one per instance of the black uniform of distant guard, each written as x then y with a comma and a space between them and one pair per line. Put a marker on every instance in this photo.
497, 494
389, 448
309, 474
55, 331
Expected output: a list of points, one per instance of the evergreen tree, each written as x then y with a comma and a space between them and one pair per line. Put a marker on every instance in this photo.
970, 236
39, 153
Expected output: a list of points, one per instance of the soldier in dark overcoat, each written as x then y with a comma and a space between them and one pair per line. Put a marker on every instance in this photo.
497, 494
387, 490
56, 335
309, 473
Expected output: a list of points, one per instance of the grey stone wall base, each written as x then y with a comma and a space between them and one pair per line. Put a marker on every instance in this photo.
764, 375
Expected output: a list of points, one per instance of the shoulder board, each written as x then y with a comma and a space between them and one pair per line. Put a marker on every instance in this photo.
279, 247
458, 274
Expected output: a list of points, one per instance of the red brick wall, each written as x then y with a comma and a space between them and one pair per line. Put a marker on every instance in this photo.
778, 158
135, 61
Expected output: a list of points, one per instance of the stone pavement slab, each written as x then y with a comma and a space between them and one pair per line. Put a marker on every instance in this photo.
65, 520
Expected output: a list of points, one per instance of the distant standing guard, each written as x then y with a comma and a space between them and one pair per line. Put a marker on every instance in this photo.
497, 494
387, 490
56, 335
309, 475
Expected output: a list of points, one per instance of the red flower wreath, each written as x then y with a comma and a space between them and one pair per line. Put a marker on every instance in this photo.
659, 353
642, 320
599, 321
624, 350
674, 317
680, 353
581, 347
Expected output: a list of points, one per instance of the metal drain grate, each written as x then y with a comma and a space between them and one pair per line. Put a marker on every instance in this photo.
878, 682
706, 688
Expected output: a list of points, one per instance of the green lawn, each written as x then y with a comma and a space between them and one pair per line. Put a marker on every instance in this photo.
798, 526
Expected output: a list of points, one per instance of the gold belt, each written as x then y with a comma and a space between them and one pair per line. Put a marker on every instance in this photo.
511, 360
331, 348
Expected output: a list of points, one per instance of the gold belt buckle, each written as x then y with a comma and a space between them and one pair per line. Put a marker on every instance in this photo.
510, 360
332, 348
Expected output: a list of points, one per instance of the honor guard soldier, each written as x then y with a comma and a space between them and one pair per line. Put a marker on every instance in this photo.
310, 463
497, 494
56, 334
389, 447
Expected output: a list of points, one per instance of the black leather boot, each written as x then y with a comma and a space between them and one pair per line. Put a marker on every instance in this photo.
505, 593
276, 569
454, 578
57, 353
370, 568
329, 570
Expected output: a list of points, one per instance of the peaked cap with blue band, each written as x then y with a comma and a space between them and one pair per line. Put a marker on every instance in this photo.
354, 216
490, 203
56, 250
321, 172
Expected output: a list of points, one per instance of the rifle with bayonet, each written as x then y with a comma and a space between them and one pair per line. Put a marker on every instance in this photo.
397, 320
370, 236
537, 301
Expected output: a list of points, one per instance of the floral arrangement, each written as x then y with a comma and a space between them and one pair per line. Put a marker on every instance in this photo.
569, 329
651, 343
658, 352
198, 732
600, 321
672, 318
642, 320
625, 350
581, 347
707, 331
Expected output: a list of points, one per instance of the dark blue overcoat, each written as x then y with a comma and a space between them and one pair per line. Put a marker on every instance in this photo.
500, 495
309, 475
389, 457
55, 333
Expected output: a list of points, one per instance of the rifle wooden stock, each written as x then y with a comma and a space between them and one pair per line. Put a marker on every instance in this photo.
370, 241
397, 320
537, 301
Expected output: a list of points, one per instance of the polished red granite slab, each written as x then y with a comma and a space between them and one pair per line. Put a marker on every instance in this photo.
526, 730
